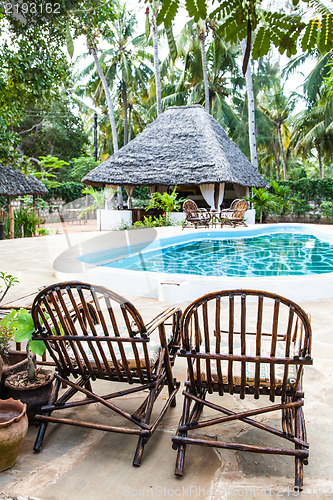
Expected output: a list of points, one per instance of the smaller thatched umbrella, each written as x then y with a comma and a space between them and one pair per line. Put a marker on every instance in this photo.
13, 183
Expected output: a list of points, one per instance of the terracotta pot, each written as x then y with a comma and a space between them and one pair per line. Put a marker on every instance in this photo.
34, 396
13, 428
13, 362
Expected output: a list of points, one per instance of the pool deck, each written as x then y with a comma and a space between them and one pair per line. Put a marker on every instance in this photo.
81, 464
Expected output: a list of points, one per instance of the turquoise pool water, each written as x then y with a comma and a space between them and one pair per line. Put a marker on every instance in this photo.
277, 254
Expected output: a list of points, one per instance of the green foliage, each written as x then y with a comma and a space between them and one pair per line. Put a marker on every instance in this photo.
300, 207
81, 166
21, 324
6, 336
25, 223
327, 209
48, 165
43, 231
7, 281
263, 202
165, 201
68, 191
150, 221
275, 28
315, 190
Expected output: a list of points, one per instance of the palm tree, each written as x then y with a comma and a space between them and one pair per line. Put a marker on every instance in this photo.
312, 128
278, 108
251, 110
151, 14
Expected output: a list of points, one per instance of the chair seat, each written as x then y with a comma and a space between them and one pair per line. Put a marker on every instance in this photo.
153, 347
265, 380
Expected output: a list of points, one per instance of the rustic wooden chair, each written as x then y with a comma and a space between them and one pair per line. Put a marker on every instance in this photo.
195, 216
245, 342
115, 345
235, 214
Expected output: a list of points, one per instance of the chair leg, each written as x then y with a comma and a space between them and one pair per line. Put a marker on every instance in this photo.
181, 449
43, 425
139, 451
299, 461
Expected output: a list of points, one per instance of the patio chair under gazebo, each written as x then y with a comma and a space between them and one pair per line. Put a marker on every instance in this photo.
13, 184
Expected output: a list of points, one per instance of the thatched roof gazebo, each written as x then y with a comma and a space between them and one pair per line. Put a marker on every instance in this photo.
13, 183
184, 146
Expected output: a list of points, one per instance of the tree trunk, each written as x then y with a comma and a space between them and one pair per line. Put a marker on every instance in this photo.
320, 162
251, 111
277, 160
204, 67
125, 110
110, 109
108, 98
282, 152
156, 66
129, 122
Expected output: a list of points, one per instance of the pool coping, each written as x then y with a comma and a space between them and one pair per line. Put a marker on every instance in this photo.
179, 287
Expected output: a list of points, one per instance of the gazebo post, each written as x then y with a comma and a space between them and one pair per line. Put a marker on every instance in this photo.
11, 220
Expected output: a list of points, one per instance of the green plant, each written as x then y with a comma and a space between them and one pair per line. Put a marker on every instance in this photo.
150, 221
123, 226
300, 207
68, 191
25, 223
49, 164
165, 201
43, 231
327, 209
6, 336
281, 203
20, 324
99, 198
262, 201
8, 280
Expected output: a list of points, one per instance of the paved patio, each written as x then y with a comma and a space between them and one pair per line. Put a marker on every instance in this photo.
77, 463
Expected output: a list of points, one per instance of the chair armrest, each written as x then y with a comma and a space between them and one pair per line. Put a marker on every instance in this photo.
161, 318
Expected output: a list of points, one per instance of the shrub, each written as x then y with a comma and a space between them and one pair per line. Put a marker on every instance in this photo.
25, 223
327, 209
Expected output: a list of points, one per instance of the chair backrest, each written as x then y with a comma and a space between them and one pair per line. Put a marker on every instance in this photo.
91, 330
245, 341
190, 206
234, 203
239, 209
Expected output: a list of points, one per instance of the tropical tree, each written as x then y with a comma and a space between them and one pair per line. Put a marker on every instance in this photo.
278, 108
312, 127
240, 19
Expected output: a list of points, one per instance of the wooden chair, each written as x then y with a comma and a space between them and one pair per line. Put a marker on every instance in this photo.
195, 216
115, 345
235, 214
245, 342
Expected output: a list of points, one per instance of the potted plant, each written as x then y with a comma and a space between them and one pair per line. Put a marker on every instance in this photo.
169, 204
10, 359
32, 385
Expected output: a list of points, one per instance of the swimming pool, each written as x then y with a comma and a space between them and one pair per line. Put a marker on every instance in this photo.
171, 264
280, 254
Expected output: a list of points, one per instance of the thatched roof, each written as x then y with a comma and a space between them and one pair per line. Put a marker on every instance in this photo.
14, 183
185, 145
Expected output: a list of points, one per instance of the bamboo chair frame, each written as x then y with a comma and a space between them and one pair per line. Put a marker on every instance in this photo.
234, 216
90, 346
280, 325
195, 216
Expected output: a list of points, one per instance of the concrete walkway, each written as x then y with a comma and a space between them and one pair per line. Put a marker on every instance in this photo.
81, 464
